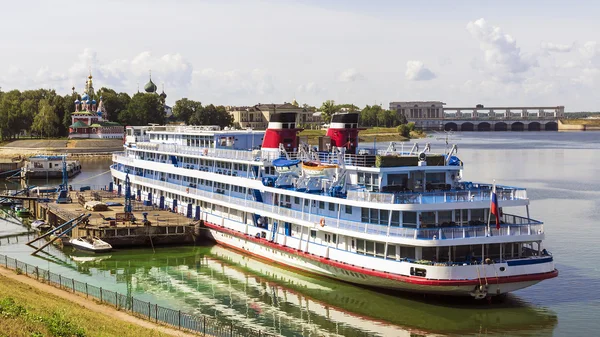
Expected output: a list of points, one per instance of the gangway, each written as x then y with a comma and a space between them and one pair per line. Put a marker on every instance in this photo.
15, 173
6, 197
81, 219
56, 229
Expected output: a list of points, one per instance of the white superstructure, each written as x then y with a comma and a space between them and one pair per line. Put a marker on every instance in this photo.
391, 219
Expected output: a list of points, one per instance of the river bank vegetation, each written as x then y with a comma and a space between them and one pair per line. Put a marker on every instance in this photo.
27, 311
43, 113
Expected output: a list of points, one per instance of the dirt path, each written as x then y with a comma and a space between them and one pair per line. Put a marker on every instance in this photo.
91, 305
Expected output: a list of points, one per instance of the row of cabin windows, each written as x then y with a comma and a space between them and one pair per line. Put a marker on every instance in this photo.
377, 249
199, 141
409, 219
382, 216
369, 180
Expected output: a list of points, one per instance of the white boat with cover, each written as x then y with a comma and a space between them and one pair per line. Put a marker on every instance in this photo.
90, 244
404, 220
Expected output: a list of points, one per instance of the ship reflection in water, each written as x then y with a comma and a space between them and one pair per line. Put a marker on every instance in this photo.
222, 283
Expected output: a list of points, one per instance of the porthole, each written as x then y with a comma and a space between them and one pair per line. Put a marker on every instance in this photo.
502, 268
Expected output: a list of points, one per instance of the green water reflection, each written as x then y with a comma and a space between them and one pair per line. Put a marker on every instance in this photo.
215, 281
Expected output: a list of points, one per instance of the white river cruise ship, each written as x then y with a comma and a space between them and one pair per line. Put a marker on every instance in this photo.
404, 220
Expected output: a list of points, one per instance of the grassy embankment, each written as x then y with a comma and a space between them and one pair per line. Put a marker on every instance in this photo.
591, 122
368, 135
27, 311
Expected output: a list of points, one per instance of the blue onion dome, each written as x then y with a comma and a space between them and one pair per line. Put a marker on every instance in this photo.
100, 97
93, 101
85, 97
88, 101
77, 101
163, 95
150, 87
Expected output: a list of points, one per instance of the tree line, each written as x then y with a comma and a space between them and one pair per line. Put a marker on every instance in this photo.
44, 113
369, 116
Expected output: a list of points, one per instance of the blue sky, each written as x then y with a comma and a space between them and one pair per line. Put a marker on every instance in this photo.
361, 52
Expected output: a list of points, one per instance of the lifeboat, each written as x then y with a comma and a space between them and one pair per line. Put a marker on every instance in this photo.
283, 165
316, 169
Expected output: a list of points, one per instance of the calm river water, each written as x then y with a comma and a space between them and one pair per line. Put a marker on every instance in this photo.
561, 172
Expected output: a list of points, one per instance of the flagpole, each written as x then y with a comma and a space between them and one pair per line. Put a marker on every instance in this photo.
490, 211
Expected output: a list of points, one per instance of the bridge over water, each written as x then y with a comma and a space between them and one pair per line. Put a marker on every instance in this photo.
491, 119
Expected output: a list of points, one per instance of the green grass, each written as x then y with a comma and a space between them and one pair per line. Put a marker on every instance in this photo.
378, 134
27, 311
593, 122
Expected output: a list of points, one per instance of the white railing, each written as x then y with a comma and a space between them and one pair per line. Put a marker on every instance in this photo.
364, 195
518, 226
502, 193
176, 149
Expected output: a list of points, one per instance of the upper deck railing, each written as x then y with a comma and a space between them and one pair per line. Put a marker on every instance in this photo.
476, 192
472, 192
361, 160
513, 225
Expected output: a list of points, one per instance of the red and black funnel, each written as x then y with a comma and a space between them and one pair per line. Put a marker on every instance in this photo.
282, 130
343, 131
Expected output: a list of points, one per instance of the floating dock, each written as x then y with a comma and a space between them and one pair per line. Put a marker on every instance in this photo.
161, 228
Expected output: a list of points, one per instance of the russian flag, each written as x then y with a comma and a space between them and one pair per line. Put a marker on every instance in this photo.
494, 209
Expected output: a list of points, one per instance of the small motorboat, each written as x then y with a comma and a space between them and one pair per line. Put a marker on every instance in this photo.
90, 244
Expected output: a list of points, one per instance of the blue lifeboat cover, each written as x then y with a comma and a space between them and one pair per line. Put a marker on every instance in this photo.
281, 162
454, 161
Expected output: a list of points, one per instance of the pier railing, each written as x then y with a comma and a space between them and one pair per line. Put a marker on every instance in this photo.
203, 325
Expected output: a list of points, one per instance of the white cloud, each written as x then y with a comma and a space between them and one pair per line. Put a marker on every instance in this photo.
503, 59
591, 52
122, 74
416, 71
213, 84
556, 48
310, 88
351, 75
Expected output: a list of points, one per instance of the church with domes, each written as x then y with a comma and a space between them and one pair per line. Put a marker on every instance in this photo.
151, 88
89, 119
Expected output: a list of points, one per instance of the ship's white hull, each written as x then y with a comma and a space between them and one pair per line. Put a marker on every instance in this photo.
283, 257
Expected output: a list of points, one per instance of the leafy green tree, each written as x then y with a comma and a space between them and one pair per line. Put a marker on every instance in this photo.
369, 115
328, 108
348, 107
69, 108
46, 122
143, 109
222, 118
212, 115
185, 108
10, 112
402, 119
114, 103
309, 107
403, 130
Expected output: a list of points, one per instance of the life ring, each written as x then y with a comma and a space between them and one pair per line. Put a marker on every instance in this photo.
205, 151
175, 209
322, 222
187, 190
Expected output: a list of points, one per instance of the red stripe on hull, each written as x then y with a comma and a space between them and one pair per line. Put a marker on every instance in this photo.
380, 274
